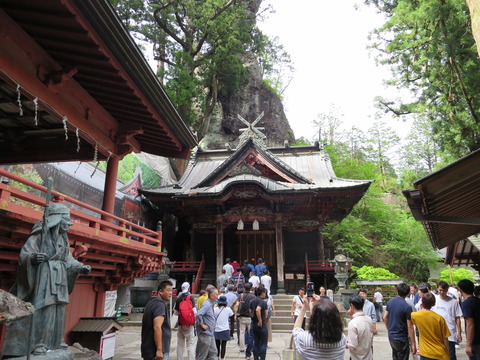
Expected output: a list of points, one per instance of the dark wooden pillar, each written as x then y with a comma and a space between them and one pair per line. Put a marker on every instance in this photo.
219, 243
280, 255
110, 186
321, 245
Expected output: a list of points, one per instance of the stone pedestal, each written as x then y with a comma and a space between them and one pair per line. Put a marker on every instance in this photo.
58, 354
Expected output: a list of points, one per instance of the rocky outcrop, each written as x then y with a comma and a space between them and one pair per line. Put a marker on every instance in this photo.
253, 98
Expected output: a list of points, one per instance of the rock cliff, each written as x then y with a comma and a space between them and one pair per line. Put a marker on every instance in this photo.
253, 98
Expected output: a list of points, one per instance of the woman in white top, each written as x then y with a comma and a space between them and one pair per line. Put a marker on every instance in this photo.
324, 338
222, 328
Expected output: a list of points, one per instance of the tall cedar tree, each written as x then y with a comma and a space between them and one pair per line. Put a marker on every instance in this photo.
198, 46
431, 50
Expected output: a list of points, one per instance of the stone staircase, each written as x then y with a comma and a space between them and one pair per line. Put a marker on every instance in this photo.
282, 322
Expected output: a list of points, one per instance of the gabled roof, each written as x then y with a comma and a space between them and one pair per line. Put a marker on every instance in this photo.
305, 168
247, 153
447, 201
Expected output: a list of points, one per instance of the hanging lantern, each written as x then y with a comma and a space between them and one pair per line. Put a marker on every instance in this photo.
240, 225
256, 225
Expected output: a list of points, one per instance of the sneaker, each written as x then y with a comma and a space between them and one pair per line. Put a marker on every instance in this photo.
247, 358
241, 350
457, 346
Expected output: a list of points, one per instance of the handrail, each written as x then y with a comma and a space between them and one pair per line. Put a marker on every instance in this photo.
63, 197
184, 265
196, 284
145, 236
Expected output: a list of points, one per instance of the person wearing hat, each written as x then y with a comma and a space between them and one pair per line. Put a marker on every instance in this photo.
46, 275
185, 334
222, 330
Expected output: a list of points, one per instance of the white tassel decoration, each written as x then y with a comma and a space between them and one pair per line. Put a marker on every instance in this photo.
35, 102
19, 100
78, 140
64, 120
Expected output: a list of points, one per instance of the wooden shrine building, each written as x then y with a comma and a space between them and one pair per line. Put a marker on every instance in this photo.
75, 87
256, 202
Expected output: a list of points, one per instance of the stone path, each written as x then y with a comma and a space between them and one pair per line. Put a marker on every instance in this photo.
128, 346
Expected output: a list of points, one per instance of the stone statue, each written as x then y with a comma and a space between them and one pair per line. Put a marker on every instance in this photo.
45, 277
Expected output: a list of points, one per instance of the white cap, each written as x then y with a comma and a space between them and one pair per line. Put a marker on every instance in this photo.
185, 286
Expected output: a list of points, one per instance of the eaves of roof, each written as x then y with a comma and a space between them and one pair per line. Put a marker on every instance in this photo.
106, 22
268, 185
447, 201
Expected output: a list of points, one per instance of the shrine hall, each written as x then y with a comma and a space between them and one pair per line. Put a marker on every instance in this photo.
257, 202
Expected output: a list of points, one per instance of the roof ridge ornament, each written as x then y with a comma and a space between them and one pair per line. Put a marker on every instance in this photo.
251, 131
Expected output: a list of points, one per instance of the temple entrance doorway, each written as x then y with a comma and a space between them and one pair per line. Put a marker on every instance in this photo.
257, 244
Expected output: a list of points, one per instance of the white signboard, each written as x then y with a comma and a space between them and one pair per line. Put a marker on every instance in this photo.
107, 346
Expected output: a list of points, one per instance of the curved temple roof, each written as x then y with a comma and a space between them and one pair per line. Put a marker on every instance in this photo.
211, 172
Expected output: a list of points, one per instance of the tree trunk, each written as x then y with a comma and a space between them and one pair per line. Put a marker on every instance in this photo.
474, 6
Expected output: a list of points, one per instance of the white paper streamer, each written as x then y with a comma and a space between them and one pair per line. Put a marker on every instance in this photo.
64, 120
78, 139
19, 101
95, 154
35, 102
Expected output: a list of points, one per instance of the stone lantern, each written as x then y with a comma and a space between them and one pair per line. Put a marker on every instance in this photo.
341, 270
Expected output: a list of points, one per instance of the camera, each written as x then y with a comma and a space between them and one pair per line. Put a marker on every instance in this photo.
310, 289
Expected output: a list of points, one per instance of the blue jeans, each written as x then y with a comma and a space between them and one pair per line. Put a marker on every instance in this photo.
425, 358
451, 350
260, 339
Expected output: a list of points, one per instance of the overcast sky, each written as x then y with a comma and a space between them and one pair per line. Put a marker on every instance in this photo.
327, 42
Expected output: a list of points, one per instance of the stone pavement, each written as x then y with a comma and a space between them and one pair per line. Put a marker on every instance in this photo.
128, 346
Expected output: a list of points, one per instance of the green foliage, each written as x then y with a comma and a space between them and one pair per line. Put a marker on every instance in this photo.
200, 47
379, 231
457, 275
373, 273
127, 167
301, 141
27, 171
430, 48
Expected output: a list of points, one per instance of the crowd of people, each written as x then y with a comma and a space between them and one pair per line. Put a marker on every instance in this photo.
242, 297
418, 320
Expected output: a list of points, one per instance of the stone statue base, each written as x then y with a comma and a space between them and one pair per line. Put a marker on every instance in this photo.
58, 354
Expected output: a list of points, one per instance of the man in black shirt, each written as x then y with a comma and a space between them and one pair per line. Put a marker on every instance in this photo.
156, 330
259, 310
245, 270
471, 313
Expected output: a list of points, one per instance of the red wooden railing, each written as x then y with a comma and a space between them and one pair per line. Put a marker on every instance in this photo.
196, 283
107, 234
319, 265
185, 265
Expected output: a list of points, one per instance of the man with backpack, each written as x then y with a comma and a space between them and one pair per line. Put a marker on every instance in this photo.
242, 312
185, 308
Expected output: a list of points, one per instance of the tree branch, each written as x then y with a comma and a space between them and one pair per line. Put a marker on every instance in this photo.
164, 26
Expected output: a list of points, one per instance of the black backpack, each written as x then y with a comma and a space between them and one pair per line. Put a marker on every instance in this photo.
244, 307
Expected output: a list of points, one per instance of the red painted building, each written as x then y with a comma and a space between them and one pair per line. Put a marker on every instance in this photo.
75, 87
